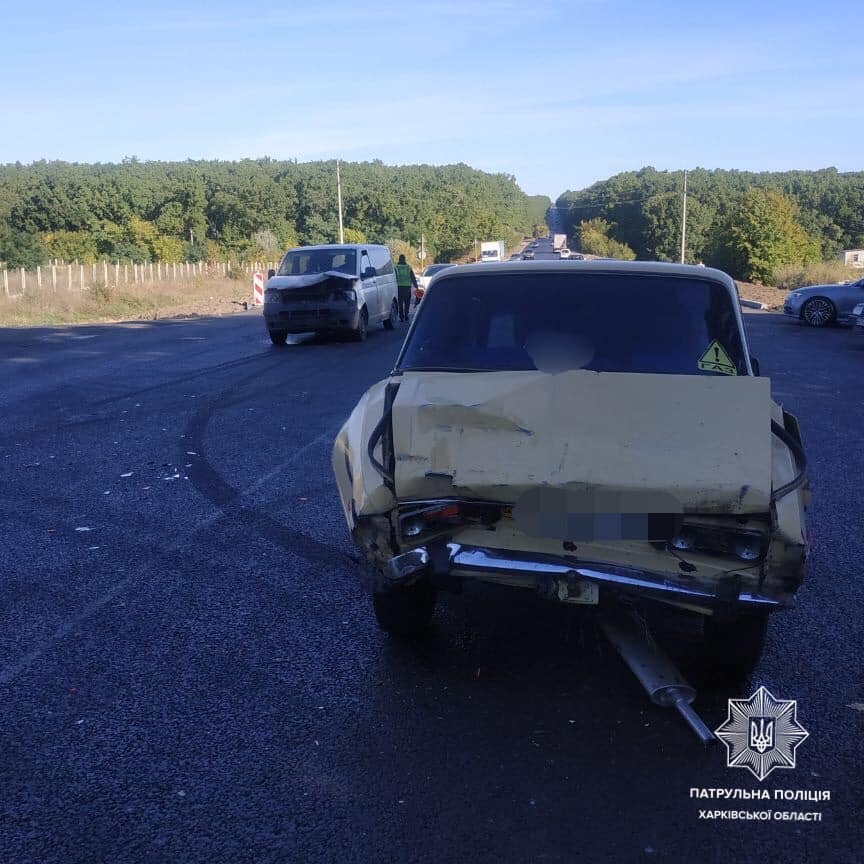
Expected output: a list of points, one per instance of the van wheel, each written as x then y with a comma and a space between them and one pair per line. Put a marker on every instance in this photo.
278, 337
362, 327
405, 611
390, 323
732, 649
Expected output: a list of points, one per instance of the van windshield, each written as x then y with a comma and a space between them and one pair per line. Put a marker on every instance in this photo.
299, 262
552, 322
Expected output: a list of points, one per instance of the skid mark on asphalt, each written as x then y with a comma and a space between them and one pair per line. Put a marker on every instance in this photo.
210, 484
85, 417
207, 480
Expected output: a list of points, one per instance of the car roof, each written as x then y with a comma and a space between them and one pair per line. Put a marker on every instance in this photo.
606, 265
337, 246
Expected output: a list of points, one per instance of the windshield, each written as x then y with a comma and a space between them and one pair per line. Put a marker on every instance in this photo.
299, 262
557, 321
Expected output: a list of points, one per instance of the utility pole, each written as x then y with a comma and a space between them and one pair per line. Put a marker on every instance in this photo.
339, 196
684, 221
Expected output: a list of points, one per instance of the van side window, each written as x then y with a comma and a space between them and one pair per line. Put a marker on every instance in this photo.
382, 260
364, 263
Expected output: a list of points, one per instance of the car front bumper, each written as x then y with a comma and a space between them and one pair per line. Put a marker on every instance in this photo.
563, 578
308, 317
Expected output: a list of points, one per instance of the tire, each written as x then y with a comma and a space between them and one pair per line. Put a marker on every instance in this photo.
405, 611
359, 335
818, 312
278, 337
733, 648
390, 323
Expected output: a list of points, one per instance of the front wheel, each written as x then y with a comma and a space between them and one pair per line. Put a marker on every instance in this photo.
405, 611
733, 648
362, 327
390, 323
818, 311
278, 337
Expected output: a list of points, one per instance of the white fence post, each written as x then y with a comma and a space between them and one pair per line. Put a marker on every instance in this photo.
54, 277
69, 277
81, 286
6, 282
23, 280
151, 271
38, 276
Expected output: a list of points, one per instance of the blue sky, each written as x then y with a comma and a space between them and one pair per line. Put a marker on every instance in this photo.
559, 95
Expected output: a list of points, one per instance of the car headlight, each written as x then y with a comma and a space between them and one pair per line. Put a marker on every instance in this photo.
271, 297
859, 309
348, 294
795, 295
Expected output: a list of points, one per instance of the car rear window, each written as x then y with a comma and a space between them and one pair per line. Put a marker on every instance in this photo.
556, 321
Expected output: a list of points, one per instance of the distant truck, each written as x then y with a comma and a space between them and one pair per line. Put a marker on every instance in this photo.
559, 242
492, 250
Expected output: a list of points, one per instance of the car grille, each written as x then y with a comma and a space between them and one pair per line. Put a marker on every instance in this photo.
305, 313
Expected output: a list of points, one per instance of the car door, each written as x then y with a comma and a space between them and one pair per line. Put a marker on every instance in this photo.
387, 290
369, 286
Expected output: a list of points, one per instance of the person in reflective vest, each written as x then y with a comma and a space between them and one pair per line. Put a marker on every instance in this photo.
405, 280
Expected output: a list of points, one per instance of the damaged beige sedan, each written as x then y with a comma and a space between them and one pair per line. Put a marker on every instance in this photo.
592, 431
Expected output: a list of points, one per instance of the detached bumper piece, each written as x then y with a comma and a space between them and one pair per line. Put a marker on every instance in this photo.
538, 571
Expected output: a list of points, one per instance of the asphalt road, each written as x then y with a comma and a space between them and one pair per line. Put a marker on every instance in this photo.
190, 672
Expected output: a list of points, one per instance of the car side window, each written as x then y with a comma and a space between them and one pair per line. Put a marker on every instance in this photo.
365, 263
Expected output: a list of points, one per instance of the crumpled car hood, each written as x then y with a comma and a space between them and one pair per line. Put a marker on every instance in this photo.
704, 440
307, 279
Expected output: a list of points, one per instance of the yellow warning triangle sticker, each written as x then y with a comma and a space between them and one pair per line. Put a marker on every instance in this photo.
715, 359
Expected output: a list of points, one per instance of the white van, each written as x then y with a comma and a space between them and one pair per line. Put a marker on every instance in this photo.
329, 289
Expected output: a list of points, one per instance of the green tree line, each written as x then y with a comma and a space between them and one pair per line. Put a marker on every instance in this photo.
213, 210
748, 224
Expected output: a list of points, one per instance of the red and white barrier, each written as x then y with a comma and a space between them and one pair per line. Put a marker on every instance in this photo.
258, 289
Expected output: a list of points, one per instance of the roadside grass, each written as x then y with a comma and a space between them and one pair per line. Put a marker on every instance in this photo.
198, 295
789, 276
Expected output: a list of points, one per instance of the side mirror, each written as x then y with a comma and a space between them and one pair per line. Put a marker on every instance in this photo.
369, 273
754, 364
271, 273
